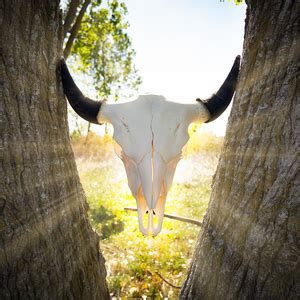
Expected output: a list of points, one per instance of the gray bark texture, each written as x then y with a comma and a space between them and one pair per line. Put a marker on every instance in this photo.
48, 249
248, 247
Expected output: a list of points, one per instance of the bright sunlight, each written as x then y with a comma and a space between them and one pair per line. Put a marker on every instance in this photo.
140, 266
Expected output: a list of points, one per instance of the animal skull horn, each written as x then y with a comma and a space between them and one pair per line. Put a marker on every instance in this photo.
149, 135
86, 108
217, 104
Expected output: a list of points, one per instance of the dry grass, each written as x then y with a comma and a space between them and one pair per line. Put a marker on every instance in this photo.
95, 147
134, 263
92, 146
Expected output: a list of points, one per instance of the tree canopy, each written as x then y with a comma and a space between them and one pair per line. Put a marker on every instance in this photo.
96, 34
236, 2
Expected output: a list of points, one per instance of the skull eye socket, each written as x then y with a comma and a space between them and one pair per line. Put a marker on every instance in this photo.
117, 148
120, 153
175, 159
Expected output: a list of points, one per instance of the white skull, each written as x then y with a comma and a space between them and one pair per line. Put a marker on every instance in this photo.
150, 133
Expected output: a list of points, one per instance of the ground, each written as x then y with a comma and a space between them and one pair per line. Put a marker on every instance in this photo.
139, 266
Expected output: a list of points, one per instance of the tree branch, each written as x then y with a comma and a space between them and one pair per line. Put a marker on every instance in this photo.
70, 16
87, 134
168, 282
178, 218
75, 28
165, 280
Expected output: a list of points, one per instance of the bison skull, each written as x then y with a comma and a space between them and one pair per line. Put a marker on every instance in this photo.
150, 133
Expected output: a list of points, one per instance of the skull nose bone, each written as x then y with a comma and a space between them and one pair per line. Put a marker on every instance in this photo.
152, 170
152, 228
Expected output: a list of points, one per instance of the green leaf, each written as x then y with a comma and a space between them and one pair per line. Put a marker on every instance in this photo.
104, 49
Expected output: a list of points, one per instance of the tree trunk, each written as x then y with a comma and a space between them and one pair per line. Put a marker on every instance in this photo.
249, 245
48, 249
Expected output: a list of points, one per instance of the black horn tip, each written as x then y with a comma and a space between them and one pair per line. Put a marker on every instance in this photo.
218, 102
86, 108
63, 62
236, 65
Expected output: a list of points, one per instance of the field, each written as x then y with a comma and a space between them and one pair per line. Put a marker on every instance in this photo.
138, 266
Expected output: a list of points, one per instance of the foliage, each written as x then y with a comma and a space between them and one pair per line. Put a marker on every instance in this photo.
104, 48
202, 141
134, 263
92, 146
236, 2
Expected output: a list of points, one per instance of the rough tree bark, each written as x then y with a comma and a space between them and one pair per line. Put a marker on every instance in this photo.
249, 245
48, 249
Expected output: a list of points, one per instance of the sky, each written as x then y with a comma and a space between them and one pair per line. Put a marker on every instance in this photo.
185, 48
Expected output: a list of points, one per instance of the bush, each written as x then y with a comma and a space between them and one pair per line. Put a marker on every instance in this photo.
92, 146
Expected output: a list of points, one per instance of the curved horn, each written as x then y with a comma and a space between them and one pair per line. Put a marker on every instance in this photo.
86, 108
218, 102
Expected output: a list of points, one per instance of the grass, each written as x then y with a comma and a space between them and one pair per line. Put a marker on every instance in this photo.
136, 264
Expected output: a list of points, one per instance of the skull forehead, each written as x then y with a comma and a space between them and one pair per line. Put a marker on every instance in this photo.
150, 120
170, 127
